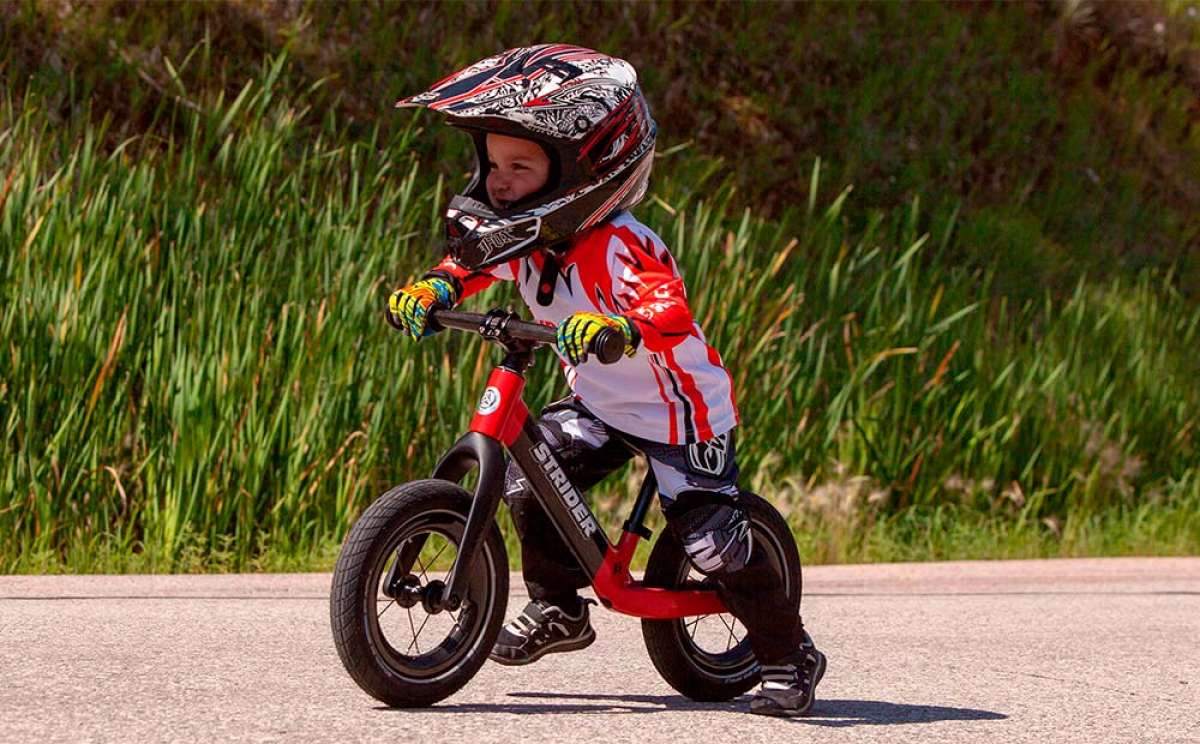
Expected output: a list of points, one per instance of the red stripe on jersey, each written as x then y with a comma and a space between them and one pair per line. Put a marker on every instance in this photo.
715, 360
662, 393
661, 309
589, 253
703, 430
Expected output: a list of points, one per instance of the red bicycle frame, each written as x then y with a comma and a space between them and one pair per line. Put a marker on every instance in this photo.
502, 422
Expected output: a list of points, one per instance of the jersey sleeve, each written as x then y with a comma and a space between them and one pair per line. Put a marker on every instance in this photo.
649, 291
468, 281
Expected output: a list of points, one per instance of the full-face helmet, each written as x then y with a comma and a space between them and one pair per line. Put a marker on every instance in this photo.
586, 111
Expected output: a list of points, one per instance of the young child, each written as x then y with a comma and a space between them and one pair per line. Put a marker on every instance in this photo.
564, 145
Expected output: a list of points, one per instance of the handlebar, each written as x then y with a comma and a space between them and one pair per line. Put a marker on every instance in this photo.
608, 345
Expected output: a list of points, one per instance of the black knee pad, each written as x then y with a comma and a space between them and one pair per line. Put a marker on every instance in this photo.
714, 532
517, 492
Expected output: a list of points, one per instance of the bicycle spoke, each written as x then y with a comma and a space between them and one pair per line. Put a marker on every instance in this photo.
385, 609
422, 567
414, 630
437, 554
695, 623
417, 635
729, 627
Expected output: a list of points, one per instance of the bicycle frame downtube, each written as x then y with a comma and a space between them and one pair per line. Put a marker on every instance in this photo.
565, 506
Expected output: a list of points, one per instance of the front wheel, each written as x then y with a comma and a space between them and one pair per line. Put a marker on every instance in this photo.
391, 644
708, 658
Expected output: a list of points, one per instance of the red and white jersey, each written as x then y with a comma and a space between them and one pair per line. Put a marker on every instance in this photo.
674, 389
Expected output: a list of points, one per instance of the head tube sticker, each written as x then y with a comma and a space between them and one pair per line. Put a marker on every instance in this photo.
490, 401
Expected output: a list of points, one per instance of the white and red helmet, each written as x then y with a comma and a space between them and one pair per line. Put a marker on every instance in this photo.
583, 107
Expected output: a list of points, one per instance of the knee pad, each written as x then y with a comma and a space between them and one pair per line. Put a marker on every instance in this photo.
715, 536
516, 489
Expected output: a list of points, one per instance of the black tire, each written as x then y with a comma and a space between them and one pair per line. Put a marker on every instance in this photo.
407, 516
698, 673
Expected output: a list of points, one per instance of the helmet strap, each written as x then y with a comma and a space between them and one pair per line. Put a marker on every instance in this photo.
548, 279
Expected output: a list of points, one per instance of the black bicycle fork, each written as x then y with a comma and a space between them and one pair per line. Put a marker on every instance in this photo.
564, 504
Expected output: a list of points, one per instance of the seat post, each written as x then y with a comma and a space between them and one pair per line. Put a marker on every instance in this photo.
645, 497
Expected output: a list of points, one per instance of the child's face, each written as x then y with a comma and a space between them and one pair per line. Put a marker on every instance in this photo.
516, 169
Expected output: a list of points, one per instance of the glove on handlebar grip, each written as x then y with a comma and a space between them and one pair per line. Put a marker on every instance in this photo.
608, 345
408, 307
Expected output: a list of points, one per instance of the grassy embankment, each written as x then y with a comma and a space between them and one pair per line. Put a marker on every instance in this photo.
196, 376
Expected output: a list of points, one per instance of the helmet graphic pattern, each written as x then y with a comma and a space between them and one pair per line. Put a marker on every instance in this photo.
585, 109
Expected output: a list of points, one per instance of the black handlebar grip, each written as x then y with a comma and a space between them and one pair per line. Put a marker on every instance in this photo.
608, 345
431, 321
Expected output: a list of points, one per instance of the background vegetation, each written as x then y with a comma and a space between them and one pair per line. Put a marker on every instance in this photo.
948, 252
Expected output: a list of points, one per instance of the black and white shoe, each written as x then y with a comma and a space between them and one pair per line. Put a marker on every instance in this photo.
543, 628
790, 685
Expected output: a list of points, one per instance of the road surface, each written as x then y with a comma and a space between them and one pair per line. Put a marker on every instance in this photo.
1022, 651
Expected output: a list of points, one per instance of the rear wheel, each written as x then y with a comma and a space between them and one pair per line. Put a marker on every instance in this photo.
394, 645
708, 658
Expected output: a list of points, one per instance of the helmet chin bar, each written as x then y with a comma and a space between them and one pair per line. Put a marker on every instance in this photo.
479, 237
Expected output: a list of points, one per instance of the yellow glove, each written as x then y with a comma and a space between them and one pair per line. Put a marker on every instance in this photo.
409, 307
576, 332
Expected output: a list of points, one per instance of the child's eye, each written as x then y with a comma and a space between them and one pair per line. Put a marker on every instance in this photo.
518, 166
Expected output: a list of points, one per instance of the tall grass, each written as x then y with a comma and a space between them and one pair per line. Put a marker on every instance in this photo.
1063, 132
195, 372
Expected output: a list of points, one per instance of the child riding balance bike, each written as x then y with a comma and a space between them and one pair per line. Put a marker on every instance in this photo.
564, 143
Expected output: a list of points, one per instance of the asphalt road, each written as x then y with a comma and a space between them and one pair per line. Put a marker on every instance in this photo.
1050, 651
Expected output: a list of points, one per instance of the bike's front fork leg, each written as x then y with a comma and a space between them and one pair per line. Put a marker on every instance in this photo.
471, 450
399, 577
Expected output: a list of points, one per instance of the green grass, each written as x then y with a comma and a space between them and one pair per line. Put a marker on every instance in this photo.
195, 374
1064, 139
960, 307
